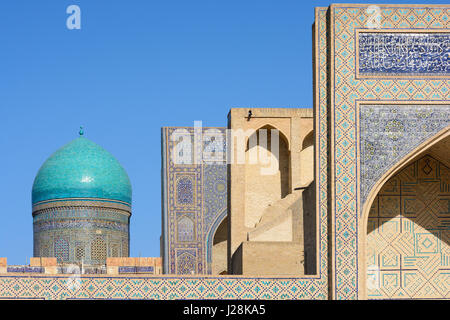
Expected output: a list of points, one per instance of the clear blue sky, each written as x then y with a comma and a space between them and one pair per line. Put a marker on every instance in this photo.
134, 67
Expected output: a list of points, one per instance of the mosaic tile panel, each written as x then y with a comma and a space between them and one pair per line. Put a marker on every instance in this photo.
408, 238
401, 54
185, 191
389, 132
345, 91
194, 196
186, 261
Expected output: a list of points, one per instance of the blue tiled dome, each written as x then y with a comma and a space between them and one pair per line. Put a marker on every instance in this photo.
81, 169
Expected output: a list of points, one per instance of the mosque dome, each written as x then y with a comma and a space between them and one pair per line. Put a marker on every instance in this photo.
81, 169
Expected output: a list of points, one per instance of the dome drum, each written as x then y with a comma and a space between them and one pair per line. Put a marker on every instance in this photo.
77, 233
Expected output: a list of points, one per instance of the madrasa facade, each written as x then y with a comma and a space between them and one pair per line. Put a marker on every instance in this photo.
347, 200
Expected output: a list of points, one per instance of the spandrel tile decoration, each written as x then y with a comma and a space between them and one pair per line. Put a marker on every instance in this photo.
347, 200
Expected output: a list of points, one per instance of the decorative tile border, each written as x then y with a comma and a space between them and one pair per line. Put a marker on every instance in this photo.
321, 142
157, 288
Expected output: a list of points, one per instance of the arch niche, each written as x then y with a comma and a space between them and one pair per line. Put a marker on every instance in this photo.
307, 159
219, 248
267, 174
404, 238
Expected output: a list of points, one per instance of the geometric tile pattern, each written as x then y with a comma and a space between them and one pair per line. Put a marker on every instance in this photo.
346, 91
389, 132
156, 288
408, 239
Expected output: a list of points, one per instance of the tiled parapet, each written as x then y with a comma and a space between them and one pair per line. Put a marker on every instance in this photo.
62, 287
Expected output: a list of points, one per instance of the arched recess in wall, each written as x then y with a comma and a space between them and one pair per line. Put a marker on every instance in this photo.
308, 140
309, 203
267, 172
216, 244
307, 159
185, 229
219, 249
404, 243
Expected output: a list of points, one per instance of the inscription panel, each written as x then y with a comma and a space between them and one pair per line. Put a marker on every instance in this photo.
404, 54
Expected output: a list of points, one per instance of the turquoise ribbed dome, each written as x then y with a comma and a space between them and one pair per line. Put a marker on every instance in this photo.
81, 169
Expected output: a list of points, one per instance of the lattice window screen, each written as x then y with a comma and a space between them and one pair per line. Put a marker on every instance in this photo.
98, 249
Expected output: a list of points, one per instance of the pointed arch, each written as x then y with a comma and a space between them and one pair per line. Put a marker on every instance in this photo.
269, 127
220, 219
219, 248
307, 159
365, 209
308, 140
185, 229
